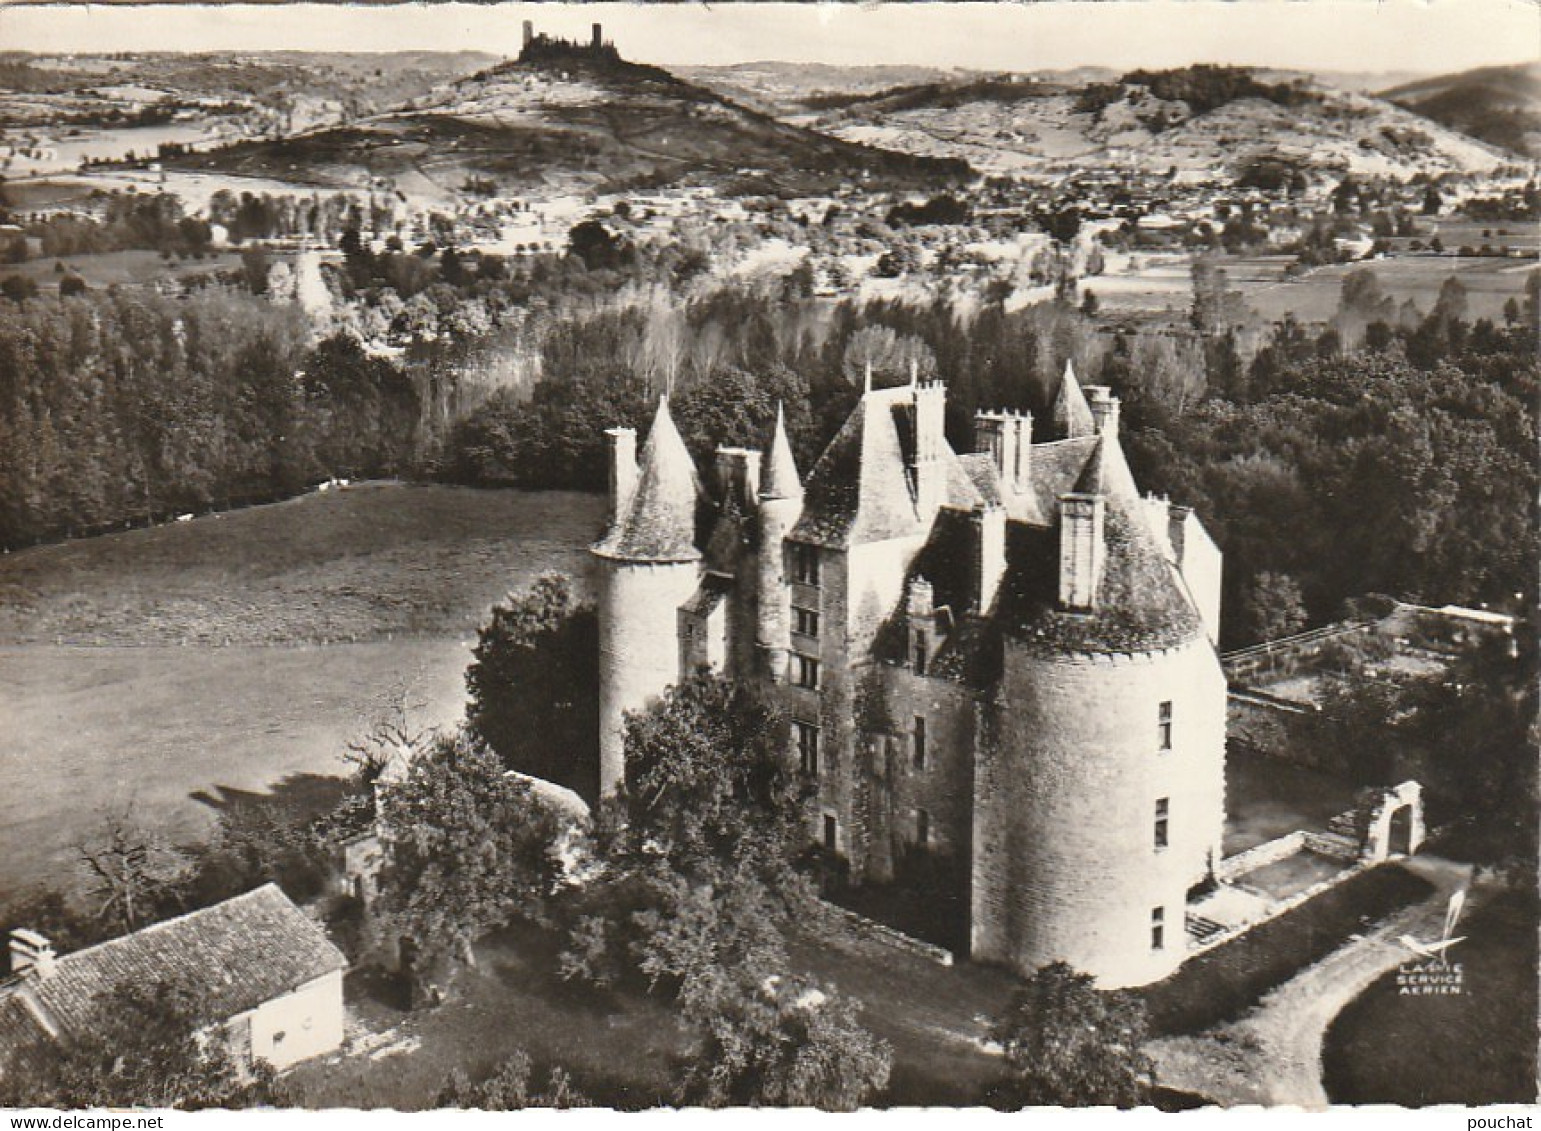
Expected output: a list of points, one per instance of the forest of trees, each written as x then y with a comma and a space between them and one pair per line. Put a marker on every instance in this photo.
126, 407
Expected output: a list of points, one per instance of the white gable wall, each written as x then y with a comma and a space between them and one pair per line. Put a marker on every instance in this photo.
298, 1025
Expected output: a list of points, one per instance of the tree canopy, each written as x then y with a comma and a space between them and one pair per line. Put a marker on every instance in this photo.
534, 685
1068, 1044
467, 848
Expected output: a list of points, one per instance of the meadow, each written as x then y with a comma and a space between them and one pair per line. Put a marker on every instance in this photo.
1163, 284
159, 670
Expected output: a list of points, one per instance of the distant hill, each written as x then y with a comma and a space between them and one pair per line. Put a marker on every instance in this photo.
1195, 119
1500, 105
270, 90
564, 117
785, 88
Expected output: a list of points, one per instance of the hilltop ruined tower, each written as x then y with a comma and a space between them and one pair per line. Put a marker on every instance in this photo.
1003, 660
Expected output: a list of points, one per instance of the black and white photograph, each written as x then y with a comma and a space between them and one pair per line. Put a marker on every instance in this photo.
841, 556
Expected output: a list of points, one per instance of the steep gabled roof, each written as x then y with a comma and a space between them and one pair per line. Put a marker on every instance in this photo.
658, 524
985, 477
237, 954
1072, 416
858, 491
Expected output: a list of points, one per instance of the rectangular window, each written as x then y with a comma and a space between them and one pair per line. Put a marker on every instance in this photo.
1163, 810
805, 622
805, 671
919, 739
920, 653
806, 736
1164, 724
1157, 928
831, 833
922, 828
805, 564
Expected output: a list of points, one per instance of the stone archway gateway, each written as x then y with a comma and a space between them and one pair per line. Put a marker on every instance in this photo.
1396, 824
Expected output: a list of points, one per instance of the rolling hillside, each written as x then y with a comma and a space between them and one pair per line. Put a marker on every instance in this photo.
1500, 105
574, 120
1197, 119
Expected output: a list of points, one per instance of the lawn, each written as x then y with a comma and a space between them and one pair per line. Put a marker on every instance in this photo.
156, 669
376, 561
1222, 984
1478, 1047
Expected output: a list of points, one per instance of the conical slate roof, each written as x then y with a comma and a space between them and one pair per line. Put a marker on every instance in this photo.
1107, 472
781, 480
658, 524
1072, 415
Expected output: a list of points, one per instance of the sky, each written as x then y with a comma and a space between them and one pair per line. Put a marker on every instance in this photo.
1427, 36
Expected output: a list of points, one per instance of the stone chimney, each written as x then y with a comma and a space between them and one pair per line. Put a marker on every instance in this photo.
598, 39
1008, 438
623, 468
1082, 550
1104, 406
989, 556
31, 954
738, 477
928, 470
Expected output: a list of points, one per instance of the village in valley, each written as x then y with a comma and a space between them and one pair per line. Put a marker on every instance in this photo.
534, 577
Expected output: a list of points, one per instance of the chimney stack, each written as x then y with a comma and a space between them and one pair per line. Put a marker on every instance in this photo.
599, 37
989, 555
928, 471
31, 954
1008, 438
529, 32
738, 477
623, 468
1082, 550
1104, 406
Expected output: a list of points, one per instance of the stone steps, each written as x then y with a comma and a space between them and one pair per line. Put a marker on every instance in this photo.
1201, 930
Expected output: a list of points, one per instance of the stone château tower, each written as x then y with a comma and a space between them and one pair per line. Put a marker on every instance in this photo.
1003, 660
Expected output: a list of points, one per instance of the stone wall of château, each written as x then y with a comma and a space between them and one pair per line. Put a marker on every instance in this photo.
638, 646
1067, 779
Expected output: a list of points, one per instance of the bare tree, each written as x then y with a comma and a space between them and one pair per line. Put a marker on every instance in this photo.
132, 873
394, 734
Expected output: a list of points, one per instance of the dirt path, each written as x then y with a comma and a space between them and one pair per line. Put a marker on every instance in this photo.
1273, 1055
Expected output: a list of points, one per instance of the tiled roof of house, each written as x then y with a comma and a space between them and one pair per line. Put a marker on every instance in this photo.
237, 955
658, 523
25, 1043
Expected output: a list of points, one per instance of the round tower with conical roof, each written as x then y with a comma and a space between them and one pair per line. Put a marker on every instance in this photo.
781, 502
649, 565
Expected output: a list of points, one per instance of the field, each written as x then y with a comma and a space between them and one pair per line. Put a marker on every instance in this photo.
120, 268
153, 668
1162, 285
